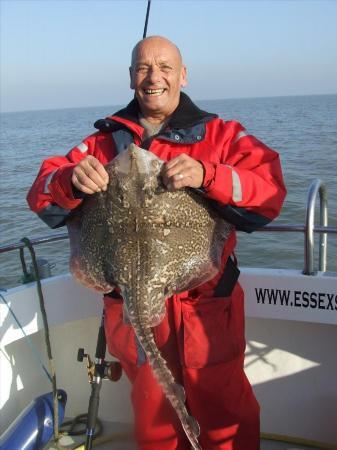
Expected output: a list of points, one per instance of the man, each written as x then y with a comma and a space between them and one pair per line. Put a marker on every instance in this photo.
202, 335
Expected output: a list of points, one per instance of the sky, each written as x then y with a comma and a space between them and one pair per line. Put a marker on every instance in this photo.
76, 53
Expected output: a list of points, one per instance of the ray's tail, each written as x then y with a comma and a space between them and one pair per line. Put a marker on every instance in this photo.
173, 391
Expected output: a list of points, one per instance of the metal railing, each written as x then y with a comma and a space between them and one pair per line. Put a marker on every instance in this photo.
316, 186
309, 228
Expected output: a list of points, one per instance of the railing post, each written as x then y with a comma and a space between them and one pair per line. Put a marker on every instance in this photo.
316, 186
323, 237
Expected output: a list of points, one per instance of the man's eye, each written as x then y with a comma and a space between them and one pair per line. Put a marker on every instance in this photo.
141, 69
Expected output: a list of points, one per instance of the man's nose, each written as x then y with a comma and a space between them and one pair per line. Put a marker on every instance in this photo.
154, 74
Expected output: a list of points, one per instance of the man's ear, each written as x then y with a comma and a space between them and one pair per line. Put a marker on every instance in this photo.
183, 81
132, 86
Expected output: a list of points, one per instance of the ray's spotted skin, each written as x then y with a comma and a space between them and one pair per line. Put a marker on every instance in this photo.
151, 243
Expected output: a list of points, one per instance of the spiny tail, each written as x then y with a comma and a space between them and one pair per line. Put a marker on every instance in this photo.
173, 391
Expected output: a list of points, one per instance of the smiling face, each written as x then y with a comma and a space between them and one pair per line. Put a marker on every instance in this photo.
157, 74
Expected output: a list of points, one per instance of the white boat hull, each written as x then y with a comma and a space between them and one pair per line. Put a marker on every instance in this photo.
290, 359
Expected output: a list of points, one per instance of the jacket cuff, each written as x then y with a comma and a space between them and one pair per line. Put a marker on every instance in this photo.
209, 171
220, 186
61, 187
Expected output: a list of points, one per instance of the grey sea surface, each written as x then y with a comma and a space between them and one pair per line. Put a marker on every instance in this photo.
302, 129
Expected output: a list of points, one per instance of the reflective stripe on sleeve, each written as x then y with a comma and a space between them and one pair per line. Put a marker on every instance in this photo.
48, 180
239, 135
236, 185
82, 147
237, 190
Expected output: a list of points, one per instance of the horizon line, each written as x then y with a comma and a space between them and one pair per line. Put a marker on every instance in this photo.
195, 101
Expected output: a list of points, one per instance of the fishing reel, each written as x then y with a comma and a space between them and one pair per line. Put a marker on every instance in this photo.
106, 370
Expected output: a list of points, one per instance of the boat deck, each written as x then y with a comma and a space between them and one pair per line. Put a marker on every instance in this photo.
117, 436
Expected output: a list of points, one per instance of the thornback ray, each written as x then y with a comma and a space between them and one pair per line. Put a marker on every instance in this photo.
150, 243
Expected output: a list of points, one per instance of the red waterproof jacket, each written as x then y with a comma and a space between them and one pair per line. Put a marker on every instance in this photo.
243, 177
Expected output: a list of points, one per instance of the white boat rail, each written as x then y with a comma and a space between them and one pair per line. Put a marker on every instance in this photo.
309, 228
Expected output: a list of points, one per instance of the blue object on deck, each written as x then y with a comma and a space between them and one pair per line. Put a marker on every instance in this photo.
33, 428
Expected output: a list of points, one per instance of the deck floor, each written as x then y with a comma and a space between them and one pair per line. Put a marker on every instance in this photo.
121, 441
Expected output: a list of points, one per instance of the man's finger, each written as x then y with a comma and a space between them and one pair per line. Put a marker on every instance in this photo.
178, 168
100, 169
94, 170
82, 188
103, 174
92, 174
80, 180
178, 176
95, 178
174, 184
169, 164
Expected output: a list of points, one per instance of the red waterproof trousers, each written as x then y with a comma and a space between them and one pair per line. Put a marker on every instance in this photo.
202, 340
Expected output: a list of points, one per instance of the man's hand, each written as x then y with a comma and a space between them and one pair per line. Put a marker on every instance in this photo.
90, 176
182, 171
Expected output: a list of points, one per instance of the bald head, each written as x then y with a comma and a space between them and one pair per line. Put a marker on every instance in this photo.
158, 41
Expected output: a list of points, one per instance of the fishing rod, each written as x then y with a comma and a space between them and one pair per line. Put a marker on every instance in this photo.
147, 18
97, 372
101, 369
